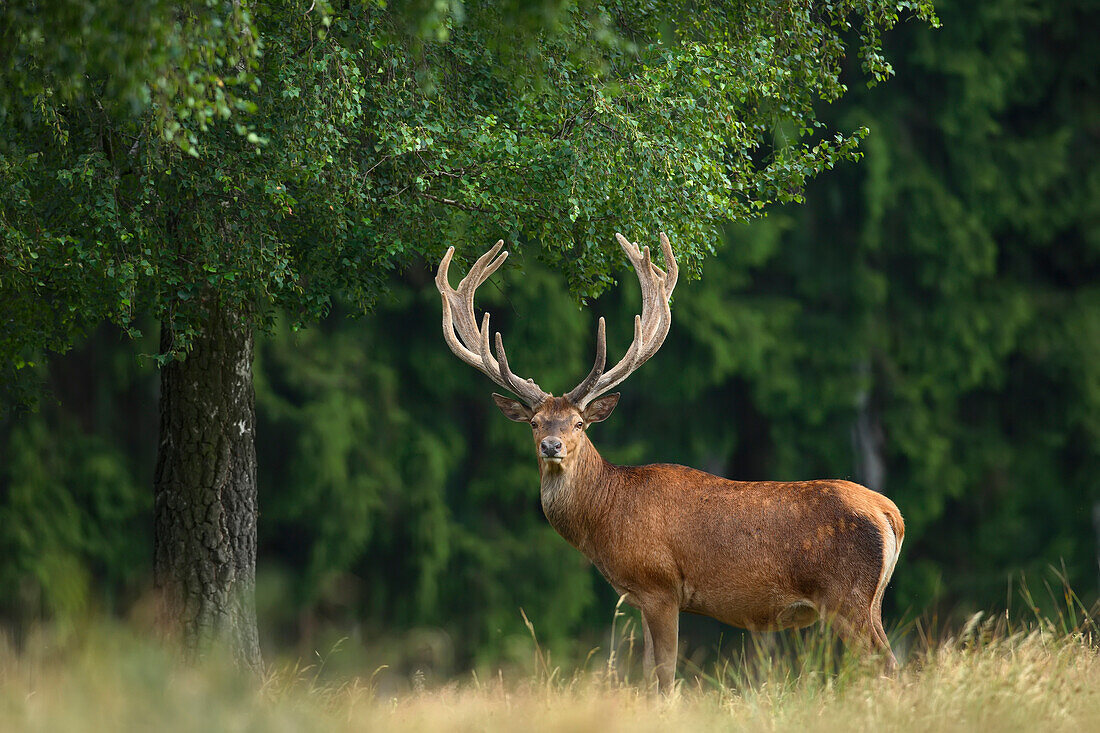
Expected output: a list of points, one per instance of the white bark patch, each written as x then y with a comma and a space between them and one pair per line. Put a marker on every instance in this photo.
244, 365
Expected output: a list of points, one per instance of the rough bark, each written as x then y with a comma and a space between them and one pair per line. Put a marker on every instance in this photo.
205, 493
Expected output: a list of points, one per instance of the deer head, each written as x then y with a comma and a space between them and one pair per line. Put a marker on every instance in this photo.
558, 423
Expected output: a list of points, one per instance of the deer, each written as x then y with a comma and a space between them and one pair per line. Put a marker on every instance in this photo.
759, 555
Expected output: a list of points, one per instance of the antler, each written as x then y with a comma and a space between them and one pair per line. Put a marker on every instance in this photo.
650, 328
458, 316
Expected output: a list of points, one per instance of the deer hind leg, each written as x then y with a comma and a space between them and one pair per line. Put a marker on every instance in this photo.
890, 662
860, 628
891, 550
662, 621
880, 642
859, 619
853, 626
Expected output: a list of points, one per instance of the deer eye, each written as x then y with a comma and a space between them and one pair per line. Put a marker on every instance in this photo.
534, 423
578, 426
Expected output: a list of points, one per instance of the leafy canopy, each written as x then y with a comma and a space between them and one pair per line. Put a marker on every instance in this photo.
265, 156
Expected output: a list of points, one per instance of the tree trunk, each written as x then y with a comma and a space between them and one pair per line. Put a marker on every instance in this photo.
205, 509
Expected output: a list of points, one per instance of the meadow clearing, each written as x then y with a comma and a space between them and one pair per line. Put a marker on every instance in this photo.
991, 674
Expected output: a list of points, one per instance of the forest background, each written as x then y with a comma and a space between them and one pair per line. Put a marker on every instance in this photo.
927, 322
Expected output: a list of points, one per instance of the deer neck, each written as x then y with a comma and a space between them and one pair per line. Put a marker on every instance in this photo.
576, 495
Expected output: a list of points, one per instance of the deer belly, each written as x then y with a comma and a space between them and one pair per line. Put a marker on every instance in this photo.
759, 596
755, 617
756, 611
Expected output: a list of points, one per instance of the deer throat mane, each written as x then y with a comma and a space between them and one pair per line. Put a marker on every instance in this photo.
555, 489
573, 499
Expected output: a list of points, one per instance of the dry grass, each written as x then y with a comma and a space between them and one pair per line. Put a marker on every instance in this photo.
990, 676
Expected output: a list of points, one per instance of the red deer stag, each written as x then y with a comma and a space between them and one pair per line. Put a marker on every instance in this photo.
761, 555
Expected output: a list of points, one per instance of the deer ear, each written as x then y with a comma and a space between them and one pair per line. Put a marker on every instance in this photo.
513, 409
601, 409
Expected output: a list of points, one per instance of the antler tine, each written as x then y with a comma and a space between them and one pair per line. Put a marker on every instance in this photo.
631, 249
484, 267
441, 271
481, 262
631, 360
623, 369
650, 328
670, 262
460, 329
515, 384
481, 271
486, 356
452, 339
597, 367
660, 290
461, 307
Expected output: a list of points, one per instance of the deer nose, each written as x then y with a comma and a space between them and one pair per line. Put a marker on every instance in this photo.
550, 447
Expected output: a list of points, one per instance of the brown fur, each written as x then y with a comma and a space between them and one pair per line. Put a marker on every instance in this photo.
761, 555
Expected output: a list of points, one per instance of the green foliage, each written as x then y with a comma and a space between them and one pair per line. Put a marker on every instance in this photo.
181, 64
347, 146
67, 523
937, 294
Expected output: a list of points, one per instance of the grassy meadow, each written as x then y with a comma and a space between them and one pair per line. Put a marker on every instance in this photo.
991, 674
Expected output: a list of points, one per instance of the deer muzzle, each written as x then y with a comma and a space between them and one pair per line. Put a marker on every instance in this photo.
551, 449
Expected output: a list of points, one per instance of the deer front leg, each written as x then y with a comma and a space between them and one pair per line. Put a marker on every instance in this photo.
661, 621
647, 652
